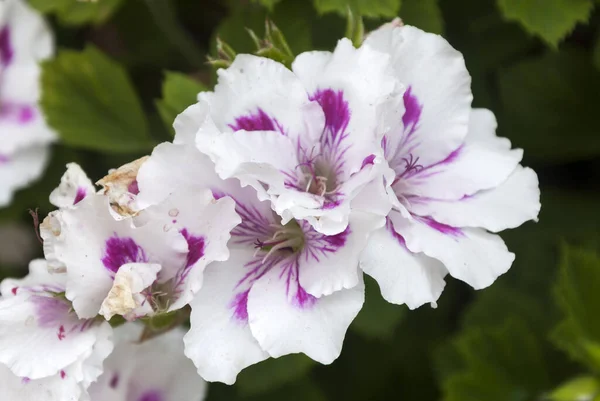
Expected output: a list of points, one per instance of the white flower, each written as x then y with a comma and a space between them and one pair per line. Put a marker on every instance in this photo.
73, 188
46, 351
286, 288
25, 40
140, 266
307, 139
455, 180
154, 370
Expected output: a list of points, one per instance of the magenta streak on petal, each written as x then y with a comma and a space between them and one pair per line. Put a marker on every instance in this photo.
81, 194
442, 228
328, 205
254, 225
133, 188
120, 251
401, 158
259, 121
152, 395
368, 161
196, 245
114, 381
62, 374
4, 159
17, 113
240, 306
51, 312
6, 50
412, 113
337, 112
317, 245
25, 380
390, 227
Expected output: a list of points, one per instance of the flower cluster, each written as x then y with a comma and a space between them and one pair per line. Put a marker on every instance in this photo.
25, 40
257, 222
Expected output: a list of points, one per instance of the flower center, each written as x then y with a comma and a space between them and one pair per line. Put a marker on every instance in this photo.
288, 239
318, 177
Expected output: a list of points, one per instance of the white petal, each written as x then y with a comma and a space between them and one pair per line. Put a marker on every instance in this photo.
30, 35
20, 169
39, 333
93, 246
38, 278
259, 94
404, 277
52, 388
365, 79
206, 224
31, 326
219, 341
156, 367
483, 162
438, 97
187, 123
74, 186
284, 319
125, 298
256, 158
328, 263
50, 231
470, 254
511, 204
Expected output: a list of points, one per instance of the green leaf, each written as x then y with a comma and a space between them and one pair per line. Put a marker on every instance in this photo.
578, 297
45, 6
89, 100
501, 363
551, 20
78, 12
549, 106
364, 8
424, 14
179, 91
267, 3
89, 12
378, 318
273, 373
581, 388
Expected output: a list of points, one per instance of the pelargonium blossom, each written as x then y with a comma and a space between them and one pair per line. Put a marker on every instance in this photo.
25, 40
286, 287
153, 370
456, 183
140, 265
307, 139
46, 351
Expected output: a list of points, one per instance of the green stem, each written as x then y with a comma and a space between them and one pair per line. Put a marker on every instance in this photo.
166, 20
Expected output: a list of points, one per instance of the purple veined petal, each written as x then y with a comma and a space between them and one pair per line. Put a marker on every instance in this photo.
79, 195
17, 113
337, 113
6, 49
121, 250
440, 227
152, 395
257, 121
404, 277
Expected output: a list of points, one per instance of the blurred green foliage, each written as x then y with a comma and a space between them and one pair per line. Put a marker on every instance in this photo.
127, 67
